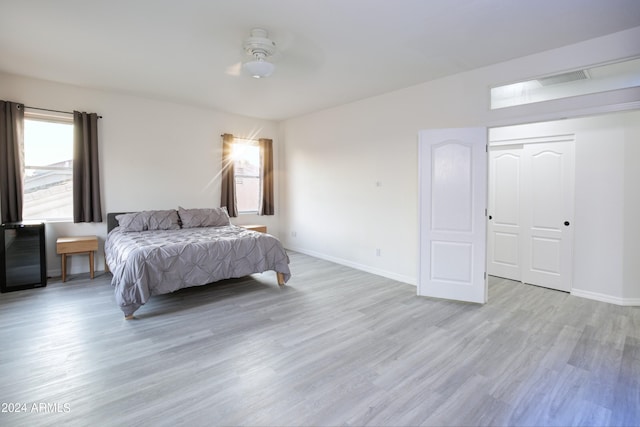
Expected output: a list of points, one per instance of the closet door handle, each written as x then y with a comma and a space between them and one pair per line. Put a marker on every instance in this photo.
490, 217
567, 223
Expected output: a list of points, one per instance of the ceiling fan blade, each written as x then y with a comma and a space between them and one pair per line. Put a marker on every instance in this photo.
298, 51
234, 70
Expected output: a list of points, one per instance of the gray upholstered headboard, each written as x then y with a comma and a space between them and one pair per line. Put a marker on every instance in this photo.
112, 222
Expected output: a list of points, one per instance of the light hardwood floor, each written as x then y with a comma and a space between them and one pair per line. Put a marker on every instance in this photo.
336, 346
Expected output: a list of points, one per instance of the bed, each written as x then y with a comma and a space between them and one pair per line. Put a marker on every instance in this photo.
158, 252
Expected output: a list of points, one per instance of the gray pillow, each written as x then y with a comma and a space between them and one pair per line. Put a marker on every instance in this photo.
213, 217
149, 220
136, 221
164, 220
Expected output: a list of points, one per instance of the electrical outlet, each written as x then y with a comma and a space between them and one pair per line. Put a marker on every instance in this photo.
294, 234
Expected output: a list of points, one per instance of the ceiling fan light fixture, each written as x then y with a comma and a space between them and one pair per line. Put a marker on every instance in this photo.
259, 68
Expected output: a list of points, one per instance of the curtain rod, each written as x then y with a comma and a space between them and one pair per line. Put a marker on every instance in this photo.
246, 139
53, 111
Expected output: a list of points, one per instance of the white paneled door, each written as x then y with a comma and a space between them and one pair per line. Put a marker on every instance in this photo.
530, 232
453, 182
505, 225
548, 175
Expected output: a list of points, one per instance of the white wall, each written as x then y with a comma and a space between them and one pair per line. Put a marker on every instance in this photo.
153, 154
349, 190
631, 287
333, 158
599, 213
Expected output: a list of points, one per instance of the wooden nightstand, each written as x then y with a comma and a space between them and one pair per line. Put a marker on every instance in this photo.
256, 227
76, 245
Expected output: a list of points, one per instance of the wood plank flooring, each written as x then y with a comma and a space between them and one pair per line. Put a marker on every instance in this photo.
336, 346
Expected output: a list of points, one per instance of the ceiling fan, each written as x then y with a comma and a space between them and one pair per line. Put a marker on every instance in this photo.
260, 47
294, 52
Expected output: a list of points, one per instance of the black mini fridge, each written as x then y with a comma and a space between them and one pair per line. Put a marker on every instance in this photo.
23, 262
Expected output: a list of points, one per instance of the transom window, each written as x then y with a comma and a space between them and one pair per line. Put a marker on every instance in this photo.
595, 79
48, 168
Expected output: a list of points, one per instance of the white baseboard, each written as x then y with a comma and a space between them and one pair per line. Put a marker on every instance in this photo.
357, 266
605, 298
413, 280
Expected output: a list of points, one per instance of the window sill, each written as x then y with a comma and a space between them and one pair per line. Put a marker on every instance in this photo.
50, 221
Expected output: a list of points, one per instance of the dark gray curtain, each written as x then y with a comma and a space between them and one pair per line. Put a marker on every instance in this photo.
86, 171
228, 194
266, 157
11, 160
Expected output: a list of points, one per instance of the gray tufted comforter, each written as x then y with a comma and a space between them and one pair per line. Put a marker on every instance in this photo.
157, 262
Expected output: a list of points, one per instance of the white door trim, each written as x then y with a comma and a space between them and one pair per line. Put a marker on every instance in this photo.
569, 137
567, 114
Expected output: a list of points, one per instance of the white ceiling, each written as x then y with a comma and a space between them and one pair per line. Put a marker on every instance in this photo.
331, 51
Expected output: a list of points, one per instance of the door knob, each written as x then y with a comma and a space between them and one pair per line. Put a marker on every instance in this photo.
490, 217
566, 223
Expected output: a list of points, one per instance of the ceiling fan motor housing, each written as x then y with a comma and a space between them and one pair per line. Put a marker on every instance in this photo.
258, 44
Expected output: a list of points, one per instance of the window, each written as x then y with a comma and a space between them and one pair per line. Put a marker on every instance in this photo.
620, 75
246, 159
48, 168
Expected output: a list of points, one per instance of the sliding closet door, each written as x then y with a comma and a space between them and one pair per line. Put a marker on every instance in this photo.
504, 256
548, 180
530, 230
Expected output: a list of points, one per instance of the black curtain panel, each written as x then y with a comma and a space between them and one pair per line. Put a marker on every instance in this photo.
228, 194
86, 170
266, 157
11, 160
